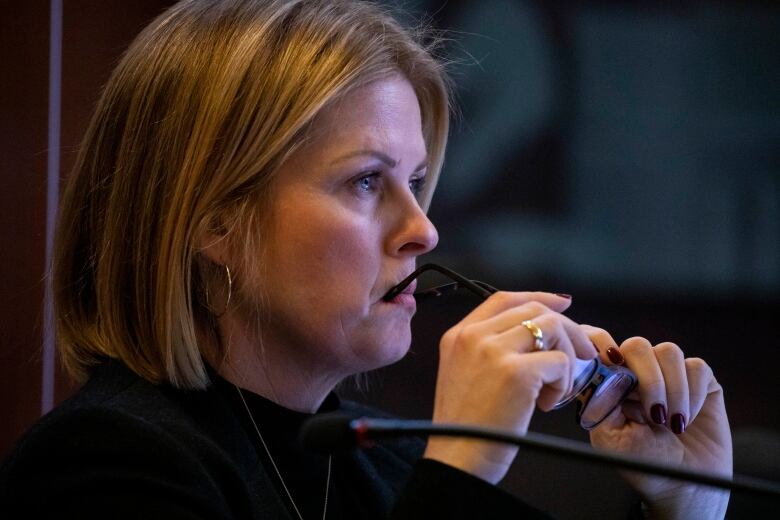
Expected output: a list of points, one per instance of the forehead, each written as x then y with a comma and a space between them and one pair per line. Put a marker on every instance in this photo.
383, 115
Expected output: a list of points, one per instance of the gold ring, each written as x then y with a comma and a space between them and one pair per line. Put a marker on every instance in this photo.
537, 334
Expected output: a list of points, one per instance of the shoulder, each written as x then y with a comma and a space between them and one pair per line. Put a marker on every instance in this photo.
118, 409
120, 437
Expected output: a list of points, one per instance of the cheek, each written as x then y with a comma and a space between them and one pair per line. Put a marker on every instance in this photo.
333, 248
334, 260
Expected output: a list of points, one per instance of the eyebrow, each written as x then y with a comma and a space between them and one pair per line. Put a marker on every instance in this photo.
389, 161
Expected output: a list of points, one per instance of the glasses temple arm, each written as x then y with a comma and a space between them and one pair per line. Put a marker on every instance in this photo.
465, 282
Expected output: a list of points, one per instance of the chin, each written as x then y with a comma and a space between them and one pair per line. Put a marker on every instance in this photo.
398, 347
397, 354
385, 352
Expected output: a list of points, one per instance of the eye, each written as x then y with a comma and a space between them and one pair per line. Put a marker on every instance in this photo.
367, 183
417, 185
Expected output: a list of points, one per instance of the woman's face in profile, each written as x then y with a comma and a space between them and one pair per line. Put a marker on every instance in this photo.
346, 226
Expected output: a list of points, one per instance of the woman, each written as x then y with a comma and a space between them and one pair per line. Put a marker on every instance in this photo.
252, 184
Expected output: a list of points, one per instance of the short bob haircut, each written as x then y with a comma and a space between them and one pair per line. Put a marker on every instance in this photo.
193, 123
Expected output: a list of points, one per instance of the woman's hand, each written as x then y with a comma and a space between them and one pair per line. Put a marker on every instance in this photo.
491, 376
677, 416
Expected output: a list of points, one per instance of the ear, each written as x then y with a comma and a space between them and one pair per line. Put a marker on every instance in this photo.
213, 245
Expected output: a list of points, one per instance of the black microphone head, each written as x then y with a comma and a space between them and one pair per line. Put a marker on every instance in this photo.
328, 433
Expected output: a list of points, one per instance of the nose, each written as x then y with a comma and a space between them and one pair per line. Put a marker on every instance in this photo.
415, 234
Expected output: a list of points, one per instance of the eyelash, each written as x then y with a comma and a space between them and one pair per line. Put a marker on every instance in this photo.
416, 185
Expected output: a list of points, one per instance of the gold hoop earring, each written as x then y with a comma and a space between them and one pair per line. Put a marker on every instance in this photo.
229, 295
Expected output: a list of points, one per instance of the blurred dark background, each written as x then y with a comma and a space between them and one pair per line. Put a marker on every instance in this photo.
627, 153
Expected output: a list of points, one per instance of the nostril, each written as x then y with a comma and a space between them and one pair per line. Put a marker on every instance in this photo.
416, 234
413, 247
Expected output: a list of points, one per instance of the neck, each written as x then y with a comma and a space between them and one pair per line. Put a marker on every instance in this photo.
266, 369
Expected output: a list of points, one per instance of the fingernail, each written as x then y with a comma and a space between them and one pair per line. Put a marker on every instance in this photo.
678, 423
563, 295
658, 414
615, 356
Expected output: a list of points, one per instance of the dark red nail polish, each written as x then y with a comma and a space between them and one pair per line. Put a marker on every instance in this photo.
678, 423
615, 356
658, 414
563, 295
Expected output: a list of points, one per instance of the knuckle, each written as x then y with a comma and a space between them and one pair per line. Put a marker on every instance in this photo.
698, 366
599, 338
598, 334
535, 308
449, 338
557, 362
491, 343
468, 335
696, 363
558, 324
678, 400
655, 387
635, 344
679, 396
503, 298
510, 370
561, 358
556, 343
668, 351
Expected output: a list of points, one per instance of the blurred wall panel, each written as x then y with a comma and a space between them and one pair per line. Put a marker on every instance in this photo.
24, 51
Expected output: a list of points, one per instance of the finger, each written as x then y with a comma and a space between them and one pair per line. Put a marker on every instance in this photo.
504, 300
701, 381
615, 421
520, 339
712, 419
512, 319
583, 346
672, 364
532, 311
556, 338
605, 345
639, 356
549, 372
492, 330
633, 411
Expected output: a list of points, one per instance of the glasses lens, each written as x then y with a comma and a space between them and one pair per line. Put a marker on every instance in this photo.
616, 384
585, 370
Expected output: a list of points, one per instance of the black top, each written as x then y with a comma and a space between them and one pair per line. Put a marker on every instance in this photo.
125, 448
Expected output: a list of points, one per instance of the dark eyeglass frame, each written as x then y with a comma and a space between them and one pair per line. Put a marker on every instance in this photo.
481, 289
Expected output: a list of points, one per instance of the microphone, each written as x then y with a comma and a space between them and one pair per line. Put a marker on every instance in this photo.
337, 432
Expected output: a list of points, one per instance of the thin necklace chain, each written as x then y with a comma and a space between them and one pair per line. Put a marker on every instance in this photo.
276, 469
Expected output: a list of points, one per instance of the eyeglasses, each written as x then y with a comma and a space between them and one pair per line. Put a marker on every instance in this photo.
598, 389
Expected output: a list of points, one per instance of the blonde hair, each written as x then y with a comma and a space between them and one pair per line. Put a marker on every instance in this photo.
202, 109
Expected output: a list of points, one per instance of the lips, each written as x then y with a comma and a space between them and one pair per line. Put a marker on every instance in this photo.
408, 290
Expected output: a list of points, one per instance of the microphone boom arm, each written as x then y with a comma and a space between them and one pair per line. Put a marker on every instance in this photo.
334, 431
